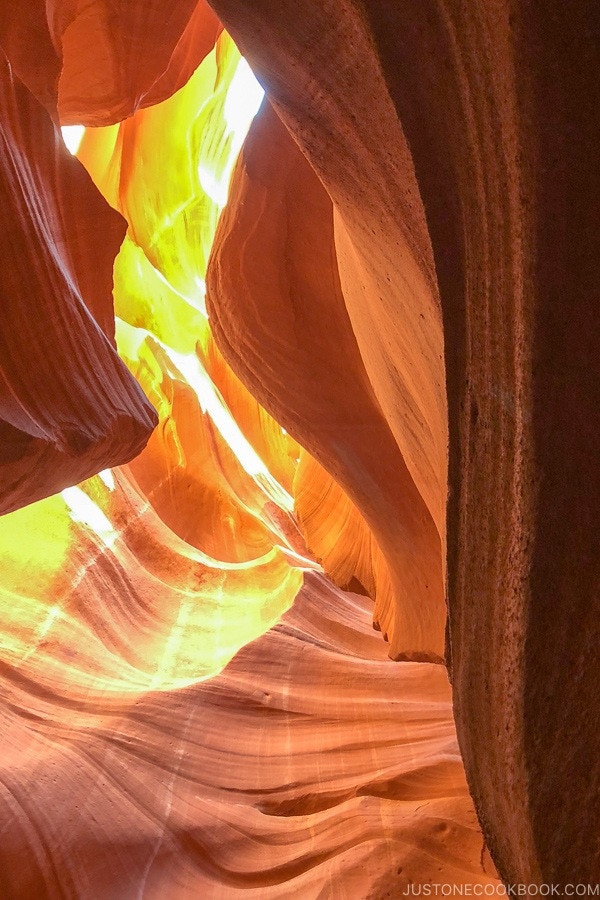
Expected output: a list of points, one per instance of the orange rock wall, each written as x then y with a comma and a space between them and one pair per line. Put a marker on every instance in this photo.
487, 114
145, 753
277, 310
68, 406
406, 277
96, 63
312, 765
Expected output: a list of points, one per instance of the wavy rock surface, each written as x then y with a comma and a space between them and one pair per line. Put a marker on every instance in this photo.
158, 742
278, 313
68, 406
96, 63
498, 103
149, 749
343, 778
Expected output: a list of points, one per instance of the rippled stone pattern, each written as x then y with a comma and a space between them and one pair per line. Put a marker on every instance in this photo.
279, 313
159, 739
403, 282
68, 406
462, 139
312, 766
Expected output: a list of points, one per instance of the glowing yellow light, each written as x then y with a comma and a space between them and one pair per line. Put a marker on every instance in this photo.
210, 402
243, 101
100, 591
53, 613
83, 509
72, 136
107, 478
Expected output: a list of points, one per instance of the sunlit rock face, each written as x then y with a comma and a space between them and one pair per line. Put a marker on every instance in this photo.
311, 766
486, 113
194, 705
193, 708
68, 406
96, 63
278, 311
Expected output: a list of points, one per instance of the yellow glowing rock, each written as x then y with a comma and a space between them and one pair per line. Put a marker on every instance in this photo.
155, 576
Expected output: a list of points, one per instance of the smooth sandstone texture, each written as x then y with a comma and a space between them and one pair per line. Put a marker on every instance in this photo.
96, 63
312, 766
68, 406
218, 469
498, 104
277, 311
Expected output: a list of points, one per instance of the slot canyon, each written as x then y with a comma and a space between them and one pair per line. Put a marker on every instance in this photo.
299, 449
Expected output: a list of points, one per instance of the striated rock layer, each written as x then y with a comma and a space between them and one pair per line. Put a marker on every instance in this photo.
405, 278
312, 766
159, 739
68, 406
497, 102
96, 63
278, 313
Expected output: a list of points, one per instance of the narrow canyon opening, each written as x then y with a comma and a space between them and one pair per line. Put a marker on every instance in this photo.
274, 412
217, 549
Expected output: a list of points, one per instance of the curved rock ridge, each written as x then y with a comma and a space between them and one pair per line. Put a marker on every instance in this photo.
116, 601
497, 102
68, 406
344, 121
278, 312
219, 470
337, 534
96, 63
312, 766
454, 178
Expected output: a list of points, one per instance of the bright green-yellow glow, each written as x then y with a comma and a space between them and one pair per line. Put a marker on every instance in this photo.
153, 576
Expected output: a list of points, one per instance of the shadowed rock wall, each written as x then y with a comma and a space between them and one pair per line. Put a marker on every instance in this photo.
68, 406
443, 319
277, 309
495, 104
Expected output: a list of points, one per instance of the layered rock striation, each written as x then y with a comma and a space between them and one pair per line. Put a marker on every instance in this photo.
382, 373
486, 114
68, 406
